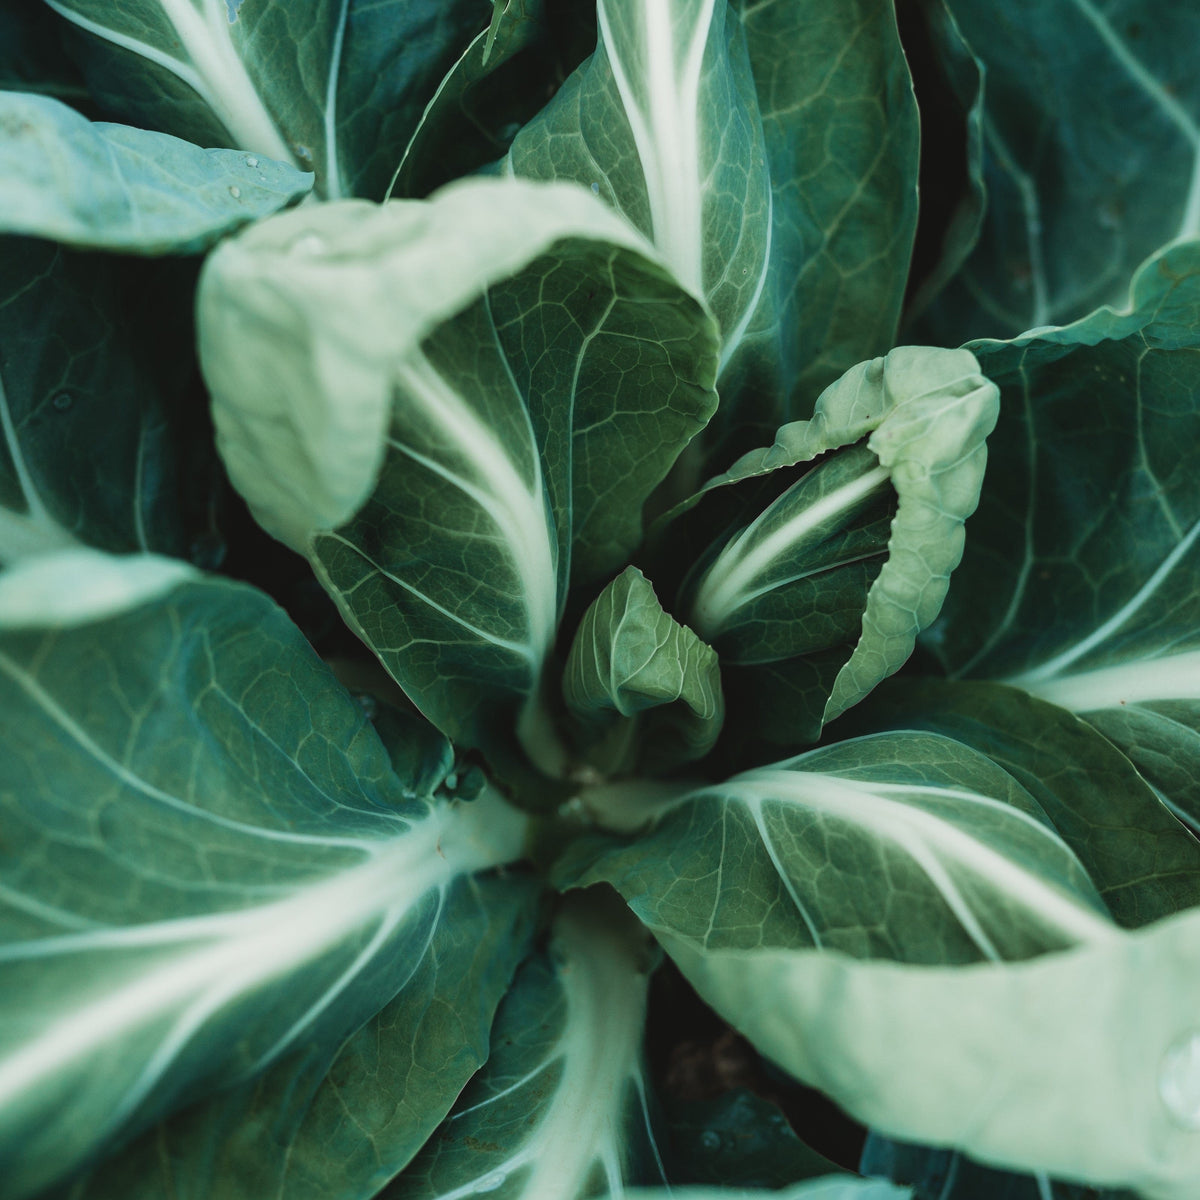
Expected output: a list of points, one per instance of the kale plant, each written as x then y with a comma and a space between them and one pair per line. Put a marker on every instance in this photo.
516, 527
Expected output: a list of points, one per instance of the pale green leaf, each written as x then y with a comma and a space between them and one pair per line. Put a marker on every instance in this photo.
645, 689
443, 446
791, 583
1078, 1065
839, 1187
208, 864
113, 187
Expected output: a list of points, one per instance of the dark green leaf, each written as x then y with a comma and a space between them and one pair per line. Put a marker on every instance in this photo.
1084, 179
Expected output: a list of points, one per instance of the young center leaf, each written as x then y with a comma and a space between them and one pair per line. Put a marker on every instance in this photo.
1080, 584
210, 870
113, 187
645, 690
827, 587
440, 443
561, 1110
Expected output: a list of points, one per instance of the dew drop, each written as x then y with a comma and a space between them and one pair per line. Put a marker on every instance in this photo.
452, 781
1179, 1080
308, 245
252, 161
710, 1141
62, 401
595, 189
489, 1183
368, 704
235, 191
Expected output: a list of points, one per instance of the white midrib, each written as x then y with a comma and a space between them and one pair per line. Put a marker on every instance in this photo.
214, 71
932, 843
729, 582
667, 137
333, 170
238, 952
1171, 677
34, 531
248, 949
605, 1009
517, 508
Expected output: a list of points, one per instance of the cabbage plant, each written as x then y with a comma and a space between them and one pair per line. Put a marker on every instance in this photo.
520, 523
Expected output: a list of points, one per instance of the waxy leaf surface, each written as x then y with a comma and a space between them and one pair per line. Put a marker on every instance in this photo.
209, 866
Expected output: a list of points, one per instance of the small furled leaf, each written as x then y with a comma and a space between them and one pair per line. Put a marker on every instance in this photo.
208, 865
561, 1104
112, 187
440, 442
1015, 1064
906, 846
1083, 182
95, 365
794, 582
645, 689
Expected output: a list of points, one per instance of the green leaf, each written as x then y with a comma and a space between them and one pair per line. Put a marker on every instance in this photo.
32, 57
337, 93
790, 583
208, 865
696, 120
498, 84
1083, 181
443, 447
338, 1120
112, 187
902, 846
1015, 1064
1081, 581
95, 364
1144, 864
645, 689
842, 137
561, 1104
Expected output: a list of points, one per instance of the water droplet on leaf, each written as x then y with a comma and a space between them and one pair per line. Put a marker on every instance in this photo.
62, 401
595, 189
252, 161
368, 704
1179, 1080
235, 191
